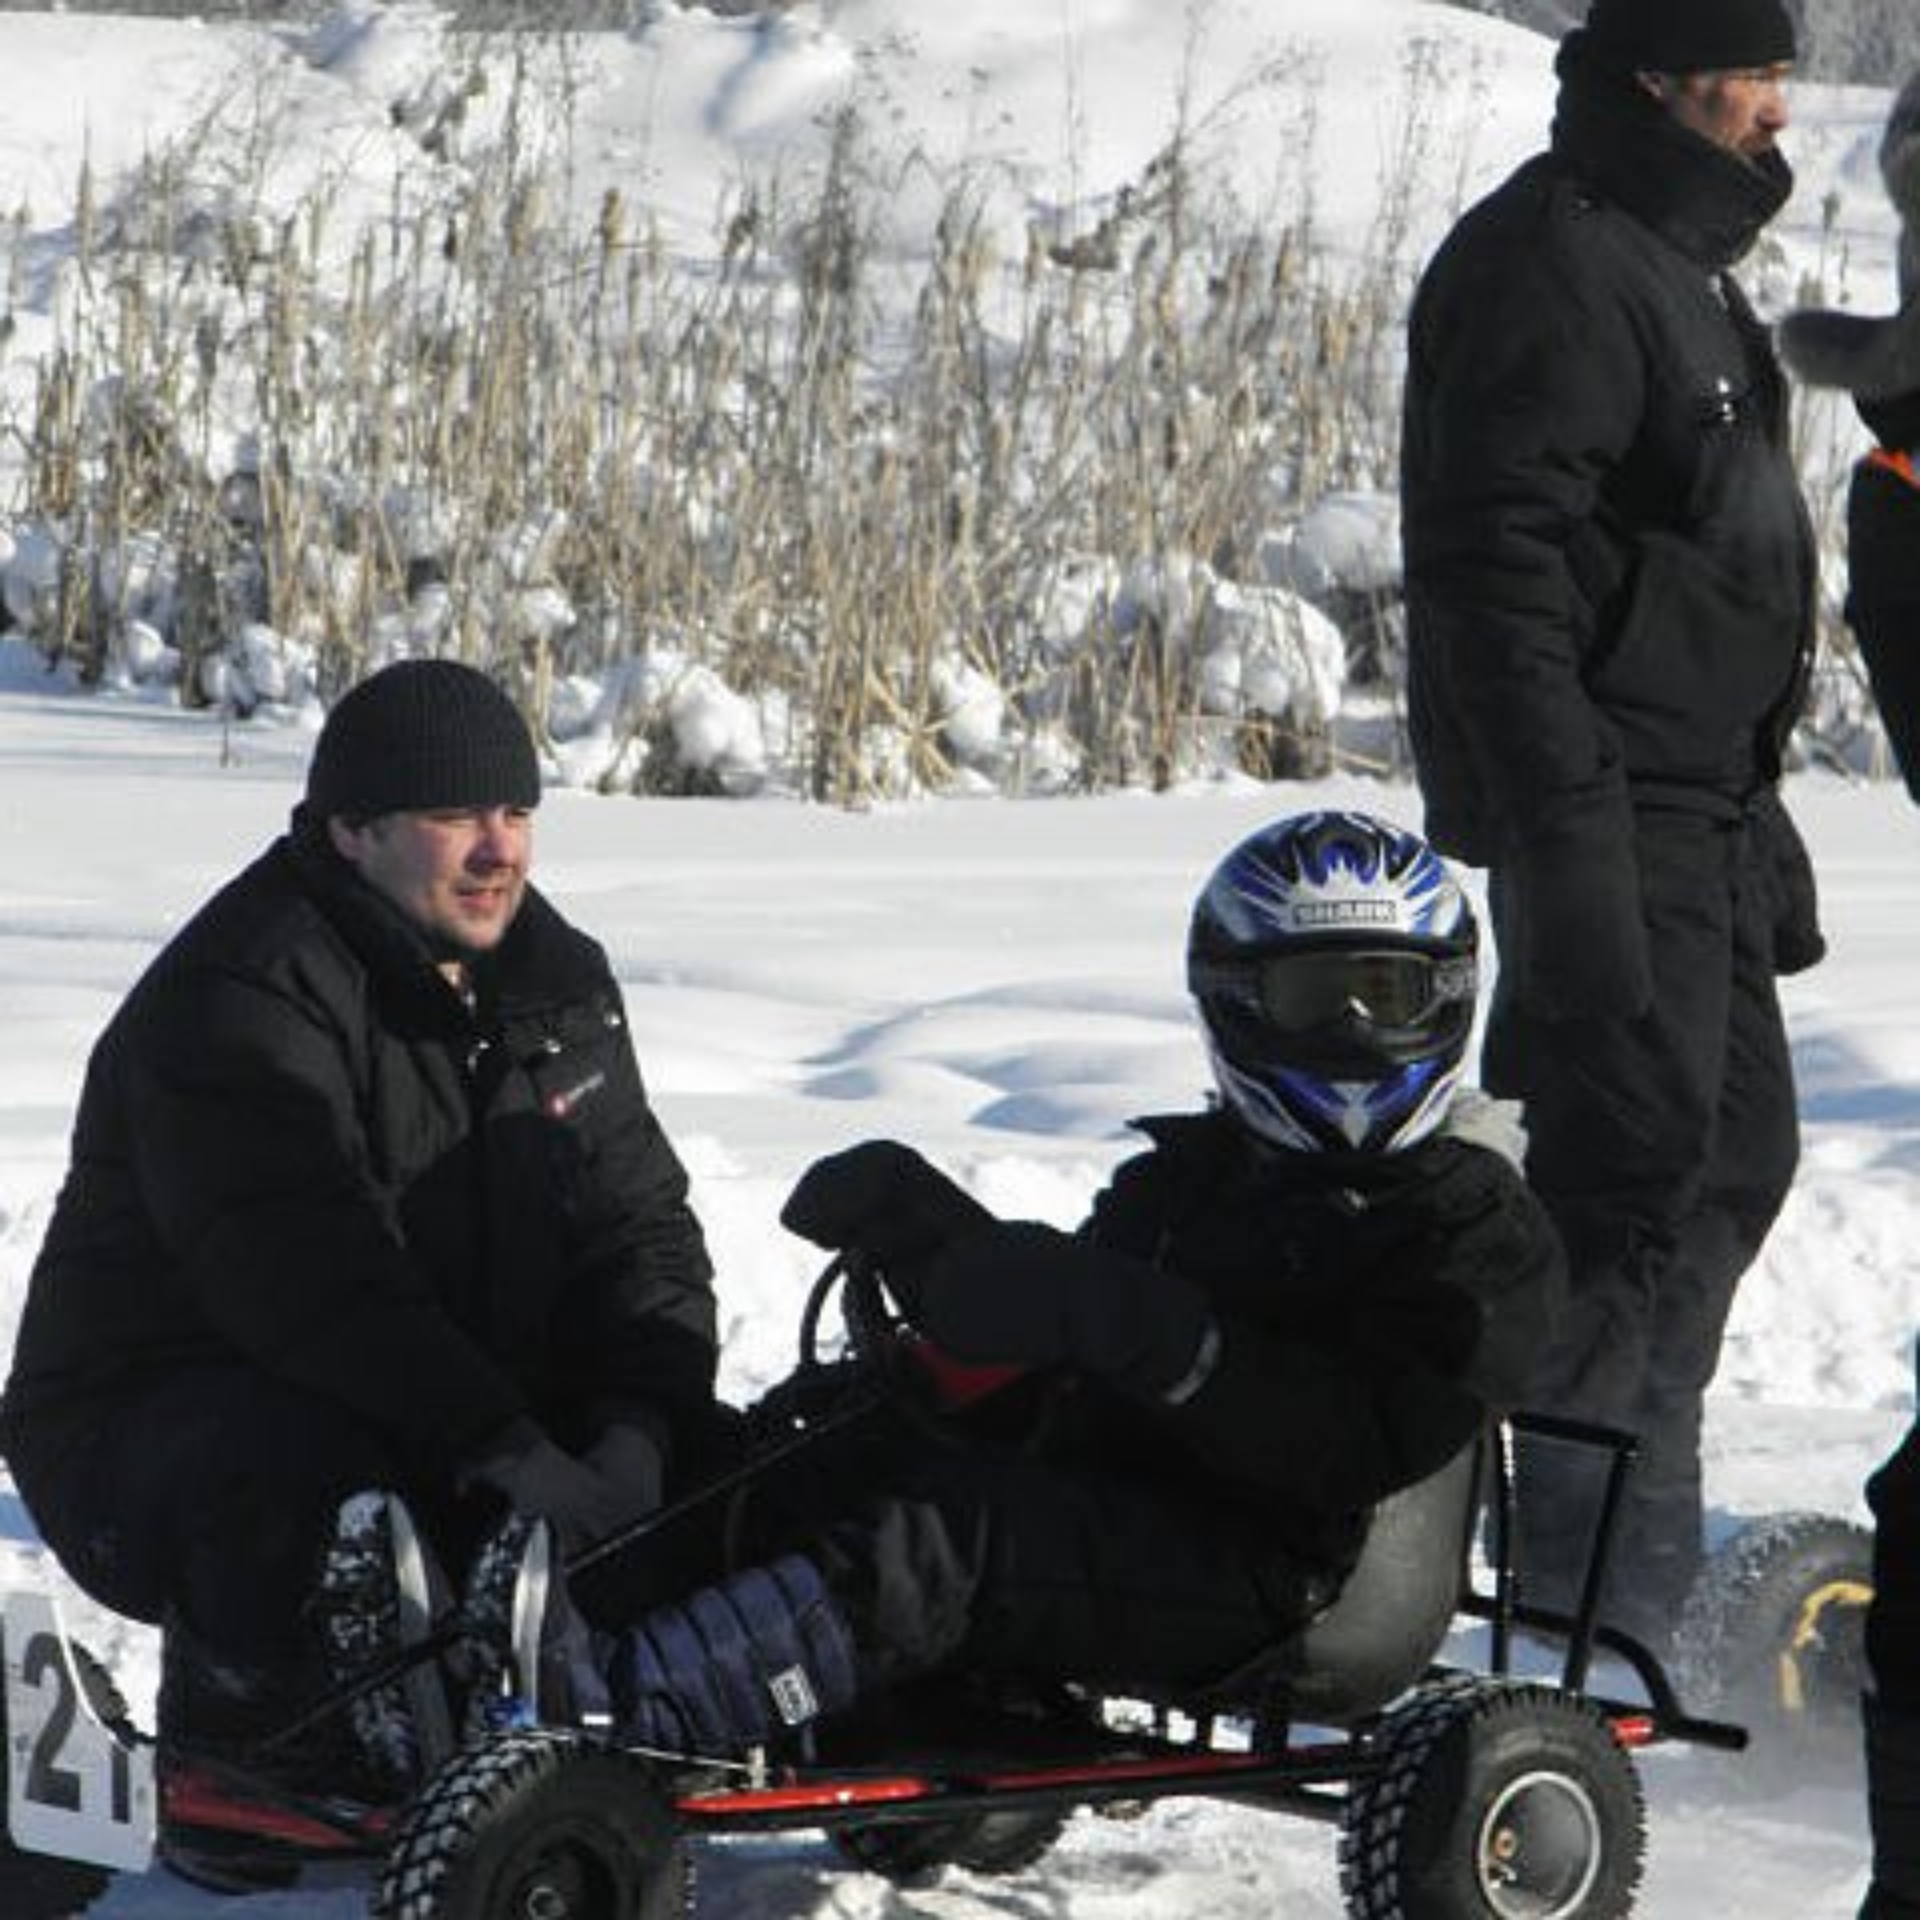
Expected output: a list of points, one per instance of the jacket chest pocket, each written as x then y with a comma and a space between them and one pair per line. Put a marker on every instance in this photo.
569, 1062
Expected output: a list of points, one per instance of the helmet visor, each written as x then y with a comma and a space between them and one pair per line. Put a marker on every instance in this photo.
1304, 992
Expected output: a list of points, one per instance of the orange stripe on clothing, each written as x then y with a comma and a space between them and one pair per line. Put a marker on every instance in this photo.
1897, 461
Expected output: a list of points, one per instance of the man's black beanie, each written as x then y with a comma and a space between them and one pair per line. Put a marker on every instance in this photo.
422, 734
1691, 36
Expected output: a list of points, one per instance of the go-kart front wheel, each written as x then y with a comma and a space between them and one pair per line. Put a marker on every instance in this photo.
1496, 1800
537, 1825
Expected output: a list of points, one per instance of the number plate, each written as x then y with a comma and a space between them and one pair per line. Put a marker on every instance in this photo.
73, 1789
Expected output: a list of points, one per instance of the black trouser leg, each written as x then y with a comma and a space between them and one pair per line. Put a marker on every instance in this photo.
1893, 1619
945, 1551
1890, 1714
1893, 1809
1098, 1577
206, 1504
1663, 1146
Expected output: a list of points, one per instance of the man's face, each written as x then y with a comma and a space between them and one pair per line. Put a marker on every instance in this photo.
1743, 109
458, 873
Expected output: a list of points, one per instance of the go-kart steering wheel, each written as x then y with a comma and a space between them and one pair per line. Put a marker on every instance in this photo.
881, 1358
874, 1326
909, 1368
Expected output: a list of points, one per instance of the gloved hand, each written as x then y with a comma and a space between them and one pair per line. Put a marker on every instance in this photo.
1798, 942
882, 1199
582, 1502
1022, 1293
629, 1460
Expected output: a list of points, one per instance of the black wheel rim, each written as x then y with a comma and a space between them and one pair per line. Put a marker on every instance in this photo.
1538, 1851
566, 1880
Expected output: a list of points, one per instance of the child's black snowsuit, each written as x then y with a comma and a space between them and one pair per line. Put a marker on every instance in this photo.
1364, 1315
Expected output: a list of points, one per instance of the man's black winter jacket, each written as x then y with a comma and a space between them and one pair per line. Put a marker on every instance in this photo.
298, 1149
1609, 566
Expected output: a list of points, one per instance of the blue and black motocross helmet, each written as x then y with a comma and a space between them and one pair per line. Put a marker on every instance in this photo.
1333, 960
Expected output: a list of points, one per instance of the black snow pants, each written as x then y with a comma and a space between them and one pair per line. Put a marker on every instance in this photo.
204, 1505
948, 1548
1891, 1710
1663, 1147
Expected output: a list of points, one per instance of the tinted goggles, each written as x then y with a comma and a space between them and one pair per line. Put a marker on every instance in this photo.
1299, 992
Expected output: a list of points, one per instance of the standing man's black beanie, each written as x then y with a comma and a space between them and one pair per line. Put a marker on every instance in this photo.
1691, 36
422, 734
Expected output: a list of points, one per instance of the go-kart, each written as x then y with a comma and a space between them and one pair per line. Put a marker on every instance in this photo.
1462, 1792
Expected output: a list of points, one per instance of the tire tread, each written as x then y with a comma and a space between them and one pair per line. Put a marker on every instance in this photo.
486, 1782
1380, 1873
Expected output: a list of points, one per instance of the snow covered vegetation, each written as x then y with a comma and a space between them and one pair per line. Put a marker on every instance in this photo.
807, 402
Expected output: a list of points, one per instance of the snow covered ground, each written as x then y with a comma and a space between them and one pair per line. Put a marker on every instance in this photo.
997, 981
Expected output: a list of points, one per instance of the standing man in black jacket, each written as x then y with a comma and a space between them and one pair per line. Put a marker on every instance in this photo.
366, 1194
1610, 580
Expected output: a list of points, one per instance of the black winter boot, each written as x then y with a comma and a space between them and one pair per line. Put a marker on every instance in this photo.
1893, 1809
763, 1653
374, 1591
216, 1718
218, 1714
215, 1708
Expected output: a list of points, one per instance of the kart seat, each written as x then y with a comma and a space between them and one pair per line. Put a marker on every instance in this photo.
1389, 1619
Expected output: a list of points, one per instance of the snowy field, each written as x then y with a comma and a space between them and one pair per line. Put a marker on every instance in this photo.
997, 981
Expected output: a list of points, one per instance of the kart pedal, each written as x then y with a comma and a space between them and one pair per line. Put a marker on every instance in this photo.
527, 1653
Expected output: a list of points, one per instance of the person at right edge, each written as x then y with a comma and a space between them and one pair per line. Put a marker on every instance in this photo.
1610, 581
1878, 362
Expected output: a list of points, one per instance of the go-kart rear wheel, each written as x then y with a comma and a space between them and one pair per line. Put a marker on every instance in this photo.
1496, 1800
537, 1825
913, 1852
1773, 1637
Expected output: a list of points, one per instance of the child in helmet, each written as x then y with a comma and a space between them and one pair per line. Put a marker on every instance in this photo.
1286, 1307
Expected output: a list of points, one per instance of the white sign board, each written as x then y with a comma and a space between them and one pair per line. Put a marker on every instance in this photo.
74, 1790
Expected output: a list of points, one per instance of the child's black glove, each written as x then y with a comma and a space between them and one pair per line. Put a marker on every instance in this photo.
1022, 1293
881, 1199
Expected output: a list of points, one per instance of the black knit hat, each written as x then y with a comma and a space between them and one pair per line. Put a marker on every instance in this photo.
1692, 36
418, 734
